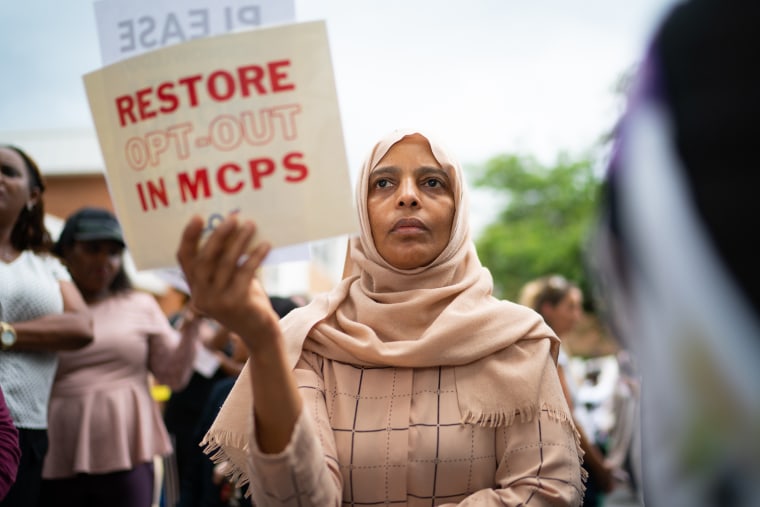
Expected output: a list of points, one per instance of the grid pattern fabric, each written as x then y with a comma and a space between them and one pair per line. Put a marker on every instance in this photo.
392, 436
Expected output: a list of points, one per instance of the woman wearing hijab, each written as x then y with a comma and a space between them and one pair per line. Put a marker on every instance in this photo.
407, 384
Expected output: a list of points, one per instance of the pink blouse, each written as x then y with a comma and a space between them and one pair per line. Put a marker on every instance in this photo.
392, 436
102, 417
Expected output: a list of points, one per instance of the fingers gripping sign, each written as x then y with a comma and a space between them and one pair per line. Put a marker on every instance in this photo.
221, 274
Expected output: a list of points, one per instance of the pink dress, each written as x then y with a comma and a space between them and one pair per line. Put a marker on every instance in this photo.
102, 417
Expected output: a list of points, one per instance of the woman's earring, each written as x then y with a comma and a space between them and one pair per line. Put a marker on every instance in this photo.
29, 206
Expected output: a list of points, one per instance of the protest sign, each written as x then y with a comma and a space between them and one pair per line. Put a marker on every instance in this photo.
243, 123
127, 28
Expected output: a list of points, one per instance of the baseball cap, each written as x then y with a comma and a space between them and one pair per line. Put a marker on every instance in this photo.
89, 224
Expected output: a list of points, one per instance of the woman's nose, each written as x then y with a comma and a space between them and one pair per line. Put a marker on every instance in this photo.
408, 194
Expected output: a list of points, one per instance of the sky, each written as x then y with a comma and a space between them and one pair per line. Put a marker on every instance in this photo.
486, 76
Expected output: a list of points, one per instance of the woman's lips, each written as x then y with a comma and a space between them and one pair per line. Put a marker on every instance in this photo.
409, 225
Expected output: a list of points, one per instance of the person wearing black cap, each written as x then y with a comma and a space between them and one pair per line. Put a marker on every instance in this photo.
105, 428
41, 312
91, 230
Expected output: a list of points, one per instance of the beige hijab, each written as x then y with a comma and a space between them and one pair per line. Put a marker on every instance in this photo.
442, 314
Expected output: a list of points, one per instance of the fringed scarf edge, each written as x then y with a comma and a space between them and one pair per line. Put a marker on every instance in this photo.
498, 418
502, 417
214, 447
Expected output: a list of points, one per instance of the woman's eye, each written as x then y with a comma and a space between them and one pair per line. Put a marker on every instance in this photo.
382, 183
433, 183
8, 170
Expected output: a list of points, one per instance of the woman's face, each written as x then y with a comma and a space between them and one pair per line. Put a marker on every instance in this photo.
93, 266
566, 314
14, 186
410, 203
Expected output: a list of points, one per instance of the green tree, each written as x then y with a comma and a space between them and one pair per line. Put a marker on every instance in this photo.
543, 226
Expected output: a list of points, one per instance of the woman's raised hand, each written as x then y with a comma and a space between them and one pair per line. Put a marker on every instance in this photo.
221, 274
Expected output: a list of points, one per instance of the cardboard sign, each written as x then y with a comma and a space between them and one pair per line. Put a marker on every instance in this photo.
242, 123
127, 28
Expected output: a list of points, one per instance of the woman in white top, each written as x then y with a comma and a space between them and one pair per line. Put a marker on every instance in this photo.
41, 312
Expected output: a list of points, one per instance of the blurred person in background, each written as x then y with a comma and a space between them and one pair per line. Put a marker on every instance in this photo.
181, 412
560, 303
221, 355
673, 256
210, 485
105, 428
41, 312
